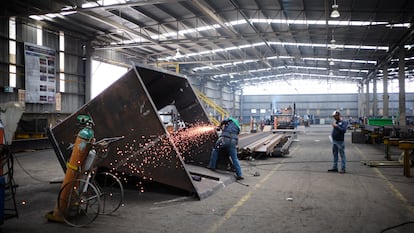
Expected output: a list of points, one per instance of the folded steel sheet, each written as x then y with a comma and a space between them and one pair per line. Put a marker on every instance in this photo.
130, 108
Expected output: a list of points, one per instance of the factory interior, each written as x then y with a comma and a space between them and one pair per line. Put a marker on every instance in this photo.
207, 116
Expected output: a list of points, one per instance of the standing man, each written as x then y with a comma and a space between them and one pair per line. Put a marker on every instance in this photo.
227, 141
338, 142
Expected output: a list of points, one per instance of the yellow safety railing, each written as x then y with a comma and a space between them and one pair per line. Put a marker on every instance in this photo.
167, 65
213, 105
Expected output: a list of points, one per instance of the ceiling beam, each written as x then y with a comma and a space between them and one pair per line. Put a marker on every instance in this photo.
130, 3
393, 50
207, 11
116, 25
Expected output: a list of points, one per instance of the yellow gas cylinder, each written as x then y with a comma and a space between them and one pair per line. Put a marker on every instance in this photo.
2, 144
79, 153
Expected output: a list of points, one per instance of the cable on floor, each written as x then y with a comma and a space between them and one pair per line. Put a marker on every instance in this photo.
399, 225
28, 173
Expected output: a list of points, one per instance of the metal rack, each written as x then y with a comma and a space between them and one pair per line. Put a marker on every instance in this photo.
7, 185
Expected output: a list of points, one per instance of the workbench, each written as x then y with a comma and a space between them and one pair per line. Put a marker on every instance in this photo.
406, 145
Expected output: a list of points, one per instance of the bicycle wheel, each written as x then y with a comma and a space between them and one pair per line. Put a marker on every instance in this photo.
111, 192
79, 203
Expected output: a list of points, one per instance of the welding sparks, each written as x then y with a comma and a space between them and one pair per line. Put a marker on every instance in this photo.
187, 139
143, 155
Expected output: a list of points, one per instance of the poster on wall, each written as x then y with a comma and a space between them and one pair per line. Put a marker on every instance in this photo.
40, 73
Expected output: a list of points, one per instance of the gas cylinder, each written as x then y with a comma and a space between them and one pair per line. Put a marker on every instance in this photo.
2, 137
2, 180
2, 145
80, 151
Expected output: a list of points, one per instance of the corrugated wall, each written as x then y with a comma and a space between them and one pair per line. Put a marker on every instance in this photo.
75, 72
4, 57
320, 106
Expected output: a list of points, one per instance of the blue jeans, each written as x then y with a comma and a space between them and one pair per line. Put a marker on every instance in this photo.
229, 146
338, 147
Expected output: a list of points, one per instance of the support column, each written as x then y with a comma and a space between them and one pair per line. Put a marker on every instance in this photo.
87, 60
361, 109
221, 90
367, 99
241, 106
374, 96
385, 96
401, 79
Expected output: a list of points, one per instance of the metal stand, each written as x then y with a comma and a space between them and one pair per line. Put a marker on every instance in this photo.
405, 146
10, 206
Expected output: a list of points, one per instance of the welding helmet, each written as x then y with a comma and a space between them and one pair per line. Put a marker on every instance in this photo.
236, 122
336, 113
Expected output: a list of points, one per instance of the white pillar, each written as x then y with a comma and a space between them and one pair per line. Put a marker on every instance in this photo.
401, 79
385, 96
374, 96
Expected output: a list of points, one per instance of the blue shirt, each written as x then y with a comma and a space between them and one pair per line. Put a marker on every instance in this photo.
230, 129
338, 132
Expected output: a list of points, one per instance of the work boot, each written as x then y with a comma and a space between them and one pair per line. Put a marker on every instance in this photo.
239, 177
212, 169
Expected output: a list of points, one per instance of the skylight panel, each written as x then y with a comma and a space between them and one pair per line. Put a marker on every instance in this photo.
235, 22
36, 17
399, 25
90, 5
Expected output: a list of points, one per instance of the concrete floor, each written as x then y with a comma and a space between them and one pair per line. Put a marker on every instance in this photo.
292, 194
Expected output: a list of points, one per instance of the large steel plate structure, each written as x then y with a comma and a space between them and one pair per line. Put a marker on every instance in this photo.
130, 108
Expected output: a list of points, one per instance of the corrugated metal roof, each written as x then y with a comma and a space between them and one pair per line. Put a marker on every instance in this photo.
238, 41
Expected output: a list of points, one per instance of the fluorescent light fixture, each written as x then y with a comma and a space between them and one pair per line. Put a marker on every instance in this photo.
52, 15
342, 60
263, 69
367, 47
236, 22
307, 67
67, 12
89, 4
348, 78
184, 32
399, 25
36, 17
322, 22
279, 57
285, 57
112, 2
354, 70
314, 58
273, 21
296, 67
355, 23
332, 46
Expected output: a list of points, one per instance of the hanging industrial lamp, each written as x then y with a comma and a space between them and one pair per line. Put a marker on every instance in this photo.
177, 53
335, 12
